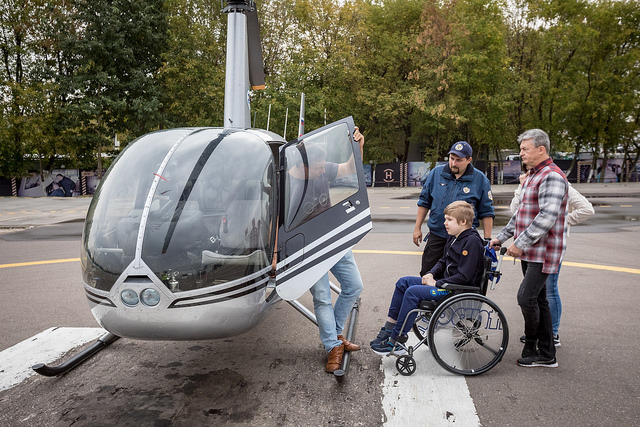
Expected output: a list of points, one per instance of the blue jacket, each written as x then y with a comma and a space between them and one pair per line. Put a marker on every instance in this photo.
442, 188
462, 262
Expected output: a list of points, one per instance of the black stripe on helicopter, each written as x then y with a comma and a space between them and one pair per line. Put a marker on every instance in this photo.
324, 256
353, 229
98, 299
227, 294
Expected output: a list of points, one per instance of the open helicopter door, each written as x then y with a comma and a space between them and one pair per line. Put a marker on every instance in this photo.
324, 208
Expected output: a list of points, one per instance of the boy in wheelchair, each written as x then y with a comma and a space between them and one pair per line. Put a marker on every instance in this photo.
461, 264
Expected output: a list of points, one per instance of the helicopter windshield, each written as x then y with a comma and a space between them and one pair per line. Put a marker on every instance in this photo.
198, 216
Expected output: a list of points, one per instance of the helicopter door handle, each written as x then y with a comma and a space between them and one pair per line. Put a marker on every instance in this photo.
348, 206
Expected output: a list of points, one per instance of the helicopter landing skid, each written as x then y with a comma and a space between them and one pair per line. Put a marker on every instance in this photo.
52, 371
341, 373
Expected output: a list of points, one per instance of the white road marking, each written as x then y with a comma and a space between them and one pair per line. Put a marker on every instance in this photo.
429, 397
46, 347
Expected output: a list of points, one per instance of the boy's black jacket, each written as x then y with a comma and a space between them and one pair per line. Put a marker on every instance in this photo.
463, 260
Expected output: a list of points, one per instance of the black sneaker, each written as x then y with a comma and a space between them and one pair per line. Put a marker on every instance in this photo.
383, 335
538, 361
523, 339
385, 348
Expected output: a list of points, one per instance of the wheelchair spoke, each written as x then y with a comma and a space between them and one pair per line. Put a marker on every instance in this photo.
469, 335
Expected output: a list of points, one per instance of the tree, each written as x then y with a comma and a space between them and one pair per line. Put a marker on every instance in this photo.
462, 75
116, 57
308, 47
416, 75
27, 95
385, 68
587, 95
193, 65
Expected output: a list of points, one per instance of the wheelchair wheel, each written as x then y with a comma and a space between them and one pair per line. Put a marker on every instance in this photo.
468, 334
406, 365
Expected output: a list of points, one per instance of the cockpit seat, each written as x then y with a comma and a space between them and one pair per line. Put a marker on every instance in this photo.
241, 229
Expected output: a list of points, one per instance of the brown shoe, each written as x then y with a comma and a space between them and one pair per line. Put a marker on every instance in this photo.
348, 345
335, 358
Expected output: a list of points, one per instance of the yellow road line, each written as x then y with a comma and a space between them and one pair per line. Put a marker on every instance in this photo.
51, 261
564, 263
364, 251
602, 267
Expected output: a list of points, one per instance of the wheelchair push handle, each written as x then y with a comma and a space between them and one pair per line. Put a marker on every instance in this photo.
495, 275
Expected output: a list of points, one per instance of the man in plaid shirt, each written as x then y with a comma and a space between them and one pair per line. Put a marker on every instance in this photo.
538, 229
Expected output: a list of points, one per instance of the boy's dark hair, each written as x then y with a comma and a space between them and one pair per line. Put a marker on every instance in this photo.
461, 211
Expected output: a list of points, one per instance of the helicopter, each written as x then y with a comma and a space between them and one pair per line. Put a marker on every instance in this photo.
195, 233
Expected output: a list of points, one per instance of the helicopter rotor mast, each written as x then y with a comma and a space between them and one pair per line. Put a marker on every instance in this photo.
244, 67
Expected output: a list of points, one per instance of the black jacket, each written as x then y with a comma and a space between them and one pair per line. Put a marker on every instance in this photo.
462, 262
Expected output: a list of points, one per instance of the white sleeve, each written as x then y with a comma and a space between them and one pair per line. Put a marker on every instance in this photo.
515, 202
579, 207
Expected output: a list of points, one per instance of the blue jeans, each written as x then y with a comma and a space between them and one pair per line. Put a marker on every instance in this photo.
331, 318
407, 295
555, 305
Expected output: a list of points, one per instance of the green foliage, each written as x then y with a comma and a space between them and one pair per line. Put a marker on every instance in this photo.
193, 65
417, 75
117, 47
462, 74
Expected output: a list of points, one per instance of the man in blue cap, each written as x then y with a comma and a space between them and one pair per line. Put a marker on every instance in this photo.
457, 180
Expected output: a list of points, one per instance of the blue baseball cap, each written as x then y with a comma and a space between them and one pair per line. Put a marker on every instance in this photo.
461, 149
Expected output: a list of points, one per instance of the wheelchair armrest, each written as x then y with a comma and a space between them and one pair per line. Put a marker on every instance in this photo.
427, 304
454, 287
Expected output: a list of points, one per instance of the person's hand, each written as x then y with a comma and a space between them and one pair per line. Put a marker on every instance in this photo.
417, 236
359, 138
428, 280
495, 243
523, 177
514, 251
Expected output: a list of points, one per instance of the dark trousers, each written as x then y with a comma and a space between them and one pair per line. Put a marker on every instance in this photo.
433, 251
532, 299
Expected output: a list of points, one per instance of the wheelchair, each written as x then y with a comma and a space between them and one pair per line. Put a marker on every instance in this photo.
466, 332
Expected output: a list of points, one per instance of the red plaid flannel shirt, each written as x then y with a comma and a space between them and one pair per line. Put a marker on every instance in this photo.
538, 226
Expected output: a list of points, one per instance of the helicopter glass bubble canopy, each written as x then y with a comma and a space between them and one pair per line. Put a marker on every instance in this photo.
188, 205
